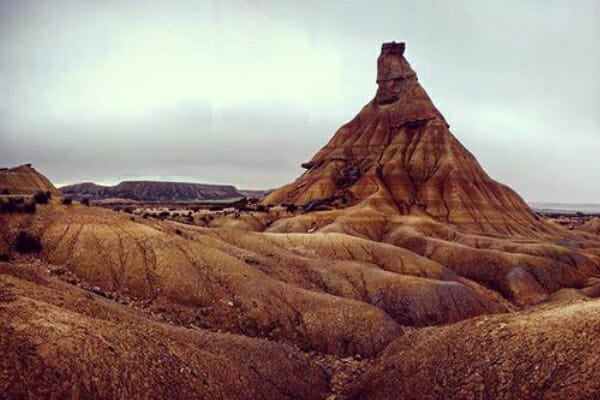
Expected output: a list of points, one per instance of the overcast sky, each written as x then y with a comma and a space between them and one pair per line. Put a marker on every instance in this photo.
243, 92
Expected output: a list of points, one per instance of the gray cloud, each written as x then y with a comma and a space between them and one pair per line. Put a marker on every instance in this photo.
243, 92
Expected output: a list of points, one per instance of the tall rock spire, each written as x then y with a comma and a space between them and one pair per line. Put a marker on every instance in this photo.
399, 156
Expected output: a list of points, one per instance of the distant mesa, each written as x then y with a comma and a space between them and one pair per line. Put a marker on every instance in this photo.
157, 191
398, 156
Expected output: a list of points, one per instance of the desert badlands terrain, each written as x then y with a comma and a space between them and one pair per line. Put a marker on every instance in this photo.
394, 267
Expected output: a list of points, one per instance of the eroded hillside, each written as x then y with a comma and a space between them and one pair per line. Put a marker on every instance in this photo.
395, 267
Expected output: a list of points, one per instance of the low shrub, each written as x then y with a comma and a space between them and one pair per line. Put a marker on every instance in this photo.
67, 201
164, 214
16, 205
7, 206
4, 257
29, 207
85, 201
291, 207
25, 243
41, 197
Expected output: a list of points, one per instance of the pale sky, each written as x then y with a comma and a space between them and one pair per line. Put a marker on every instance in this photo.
243, 92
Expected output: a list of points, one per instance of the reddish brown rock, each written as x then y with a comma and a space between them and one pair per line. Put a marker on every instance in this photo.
398, 154
24, 179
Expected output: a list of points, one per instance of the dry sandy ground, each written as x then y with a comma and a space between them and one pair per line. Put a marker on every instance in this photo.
115, 307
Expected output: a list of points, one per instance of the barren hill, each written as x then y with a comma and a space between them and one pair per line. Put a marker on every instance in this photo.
153, 191
24, 179
540, 354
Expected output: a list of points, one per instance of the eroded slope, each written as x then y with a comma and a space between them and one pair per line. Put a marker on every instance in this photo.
58, 341
545, 353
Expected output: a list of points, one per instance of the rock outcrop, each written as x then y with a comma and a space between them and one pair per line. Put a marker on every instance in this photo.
398, 154
24, 180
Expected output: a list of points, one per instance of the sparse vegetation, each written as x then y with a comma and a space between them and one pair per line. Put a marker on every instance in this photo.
6, 207
25, 243
41, 197
29, 207
17, 205
164, 214
291, 207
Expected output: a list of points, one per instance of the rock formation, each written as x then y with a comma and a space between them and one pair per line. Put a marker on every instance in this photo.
24, 179
399, 154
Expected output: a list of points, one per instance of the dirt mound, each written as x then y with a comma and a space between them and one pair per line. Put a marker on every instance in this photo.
543, 353
26, 180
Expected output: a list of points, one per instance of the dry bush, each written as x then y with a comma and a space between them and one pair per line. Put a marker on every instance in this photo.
25, 243
41, 197
17, 205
